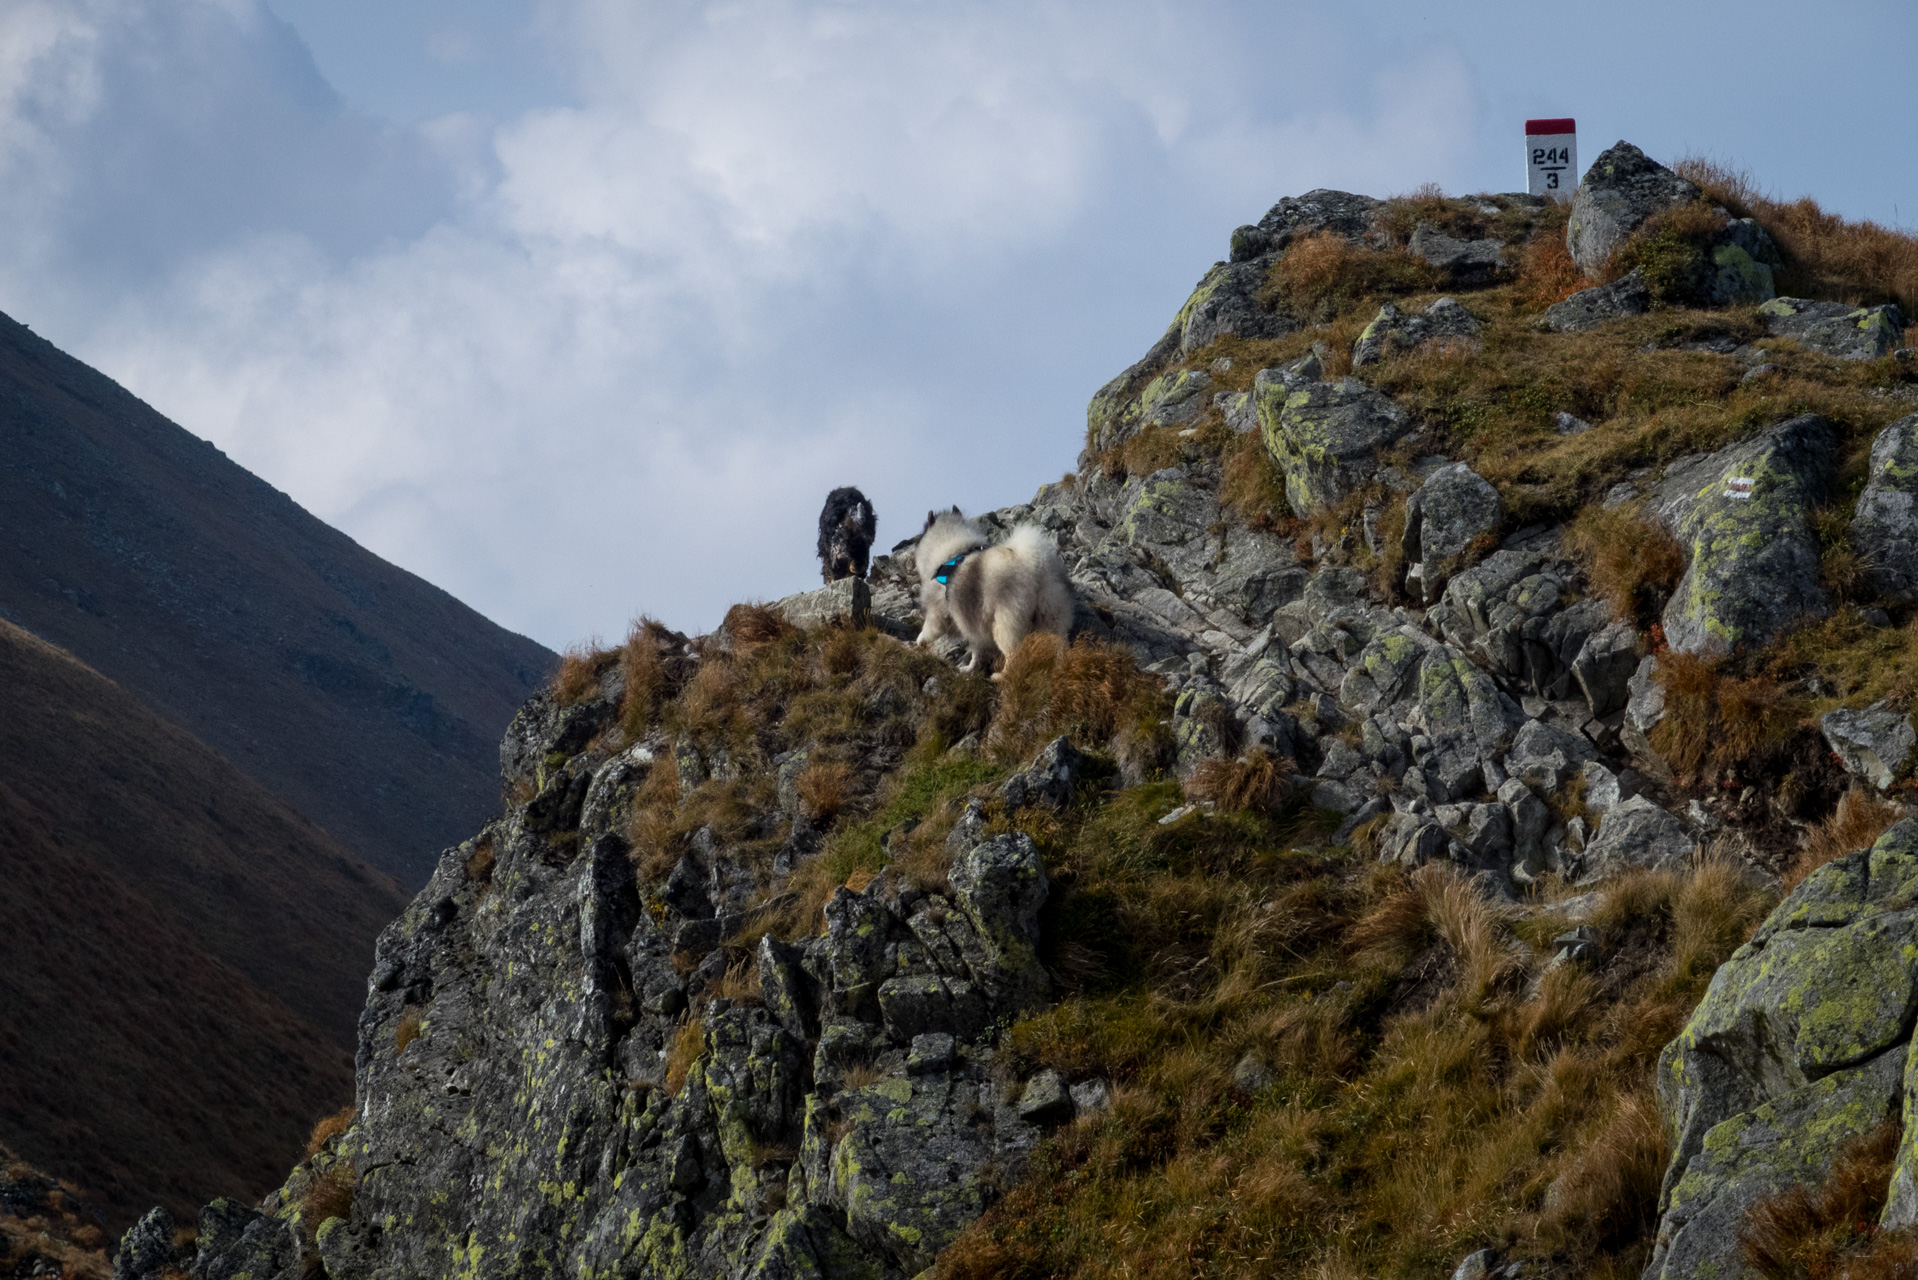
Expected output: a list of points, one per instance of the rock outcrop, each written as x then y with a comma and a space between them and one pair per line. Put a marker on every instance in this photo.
1619, 193
1875, 744
1835, 328
1461, 262
1799, 1046
1326, 436
1884, 530
523, 1041
1743, 517
570, 1063
1444, 517
1589, 308
1443, 323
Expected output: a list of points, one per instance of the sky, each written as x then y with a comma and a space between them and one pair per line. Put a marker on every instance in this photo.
577, 308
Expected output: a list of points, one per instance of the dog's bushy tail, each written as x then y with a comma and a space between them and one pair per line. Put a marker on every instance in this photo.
1052, 606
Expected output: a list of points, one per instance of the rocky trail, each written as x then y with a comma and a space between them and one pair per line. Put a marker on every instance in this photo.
798, 953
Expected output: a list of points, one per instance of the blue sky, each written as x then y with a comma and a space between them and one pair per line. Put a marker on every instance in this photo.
578, 307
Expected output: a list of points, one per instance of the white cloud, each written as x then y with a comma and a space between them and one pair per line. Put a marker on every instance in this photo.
614, 365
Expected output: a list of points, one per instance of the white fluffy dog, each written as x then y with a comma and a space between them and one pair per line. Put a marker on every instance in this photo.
992, 596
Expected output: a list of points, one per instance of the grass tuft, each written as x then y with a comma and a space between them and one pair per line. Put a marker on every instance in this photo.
330, 1127
408, 1029
578, 674
689, 1042
1832, 1230
1715, 721
1860, 817
1324, 275
1630, 561
1258, 781
328, 1195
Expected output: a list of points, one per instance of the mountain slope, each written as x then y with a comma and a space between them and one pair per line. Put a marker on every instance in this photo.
181, 955
366, 698
1385, 881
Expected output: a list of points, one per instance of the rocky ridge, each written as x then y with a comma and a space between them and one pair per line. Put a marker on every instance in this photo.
564, 1067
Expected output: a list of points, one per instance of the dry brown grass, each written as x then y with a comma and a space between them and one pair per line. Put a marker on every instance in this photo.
689, 1042
1717, 722
1323, 275
1426, 1094
1258, 781
844, 652
1092, 691
1832, 1230
751, 625
1254, 486
1605, 1195
646, 660
578, 674
1827, 256
328, 1195
408, 1029
479, 863
858, 1075
330, 1127
740, 982
824, 787
1861, 816
1547, 274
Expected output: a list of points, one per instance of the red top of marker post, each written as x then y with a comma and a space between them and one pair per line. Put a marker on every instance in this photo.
1546, 128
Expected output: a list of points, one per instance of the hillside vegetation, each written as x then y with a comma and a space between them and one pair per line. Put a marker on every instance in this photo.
1436, 849
358, 694
182, 957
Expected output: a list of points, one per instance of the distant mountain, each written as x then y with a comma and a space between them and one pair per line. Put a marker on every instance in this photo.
182, 956
367, 698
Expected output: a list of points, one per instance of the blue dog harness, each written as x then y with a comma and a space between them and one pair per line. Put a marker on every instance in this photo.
950, 568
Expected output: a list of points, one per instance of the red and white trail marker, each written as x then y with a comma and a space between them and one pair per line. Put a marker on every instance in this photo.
1551, 157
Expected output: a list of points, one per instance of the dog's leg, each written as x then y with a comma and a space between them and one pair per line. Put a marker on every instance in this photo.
1007, 631
937, 624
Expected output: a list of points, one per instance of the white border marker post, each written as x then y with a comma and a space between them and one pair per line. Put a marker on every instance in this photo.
1551, 157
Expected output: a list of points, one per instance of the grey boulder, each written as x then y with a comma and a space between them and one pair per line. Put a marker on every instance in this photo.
1049, 780
1325, 436
1636, 833
1875, 744
845, 603
1885, 529
1226, 304
1743, 517
1393, 331
1448, 513
1798, 1046
1623, 188
1629, 295
1315, 212
1463, 262
1835, 328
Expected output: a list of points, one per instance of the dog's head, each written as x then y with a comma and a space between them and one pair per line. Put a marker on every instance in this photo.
847, 542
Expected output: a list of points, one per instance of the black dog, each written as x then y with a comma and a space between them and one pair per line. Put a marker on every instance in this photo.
846, 526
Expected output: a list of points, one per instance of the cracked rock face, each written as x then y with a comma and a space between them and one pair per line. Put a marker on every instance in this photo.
1448, 513
516, 1109
1800, 1044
